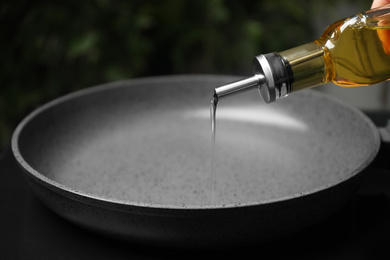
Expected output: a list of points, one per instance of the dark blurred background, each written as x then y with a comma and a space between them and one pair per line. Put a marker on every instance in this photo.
50, 48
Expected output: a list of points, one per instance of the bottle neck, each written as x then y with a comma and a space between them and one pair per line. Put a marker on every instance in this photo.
292, 70
308, 64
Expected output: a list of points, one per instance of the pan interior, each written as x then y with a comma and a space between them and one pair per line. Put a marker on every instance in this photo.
149, 143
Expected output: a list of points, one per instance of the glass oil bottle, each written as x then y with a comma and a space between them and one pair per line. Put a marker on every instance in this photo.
351, 52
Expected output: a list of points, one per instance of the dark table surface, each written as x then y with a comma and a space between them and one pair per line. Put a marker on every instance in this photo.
29, 230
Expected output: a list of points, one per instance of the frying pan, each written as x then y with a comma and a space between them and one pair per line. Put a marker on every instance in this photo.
133, 160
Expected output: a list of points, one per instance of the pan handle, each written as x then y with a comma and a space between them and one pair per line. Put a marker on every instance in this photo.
385, 132
383, 160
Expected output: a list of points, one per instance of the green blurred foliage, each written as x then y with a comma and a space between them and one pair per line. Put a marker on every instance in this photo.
49, 48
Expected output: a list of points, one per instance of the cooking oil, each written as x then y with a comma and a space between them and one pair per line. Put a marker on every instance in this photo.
213, 121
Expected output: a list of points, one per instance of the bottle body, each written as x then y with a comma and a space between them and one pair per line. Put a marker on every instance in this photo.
351, 52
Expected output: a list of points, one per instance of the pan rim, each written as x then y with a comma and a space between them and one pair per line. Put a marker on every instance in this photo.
125, 205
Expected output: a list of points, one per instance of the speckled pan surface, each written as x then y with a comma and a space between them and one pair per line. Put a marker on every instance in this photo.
132, 159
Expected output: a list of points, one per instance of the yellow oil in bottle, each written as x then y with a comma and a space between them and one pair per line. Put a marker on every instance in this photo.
359, 57
351, 52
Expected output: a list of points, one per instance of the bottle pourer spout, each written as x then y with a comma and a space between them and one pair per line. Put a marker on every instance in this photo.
272, 76
238, 86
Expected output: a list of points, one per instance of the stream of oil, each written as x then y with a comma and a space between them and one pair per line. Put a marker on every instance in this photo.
213, 112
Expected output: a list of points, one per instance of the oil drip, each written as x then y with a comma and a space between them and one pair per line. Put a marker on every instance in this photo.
213, 112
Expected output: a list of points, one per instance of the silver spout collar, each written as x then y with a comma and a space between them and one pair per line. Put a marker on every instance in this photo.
238, 86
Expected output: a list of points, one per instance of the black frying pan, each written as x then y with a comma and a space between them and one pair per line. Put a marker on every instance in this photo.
132, 160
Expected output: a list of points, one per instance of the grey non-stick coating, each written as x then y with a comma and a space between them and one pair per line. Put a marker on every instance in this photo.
132, 159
